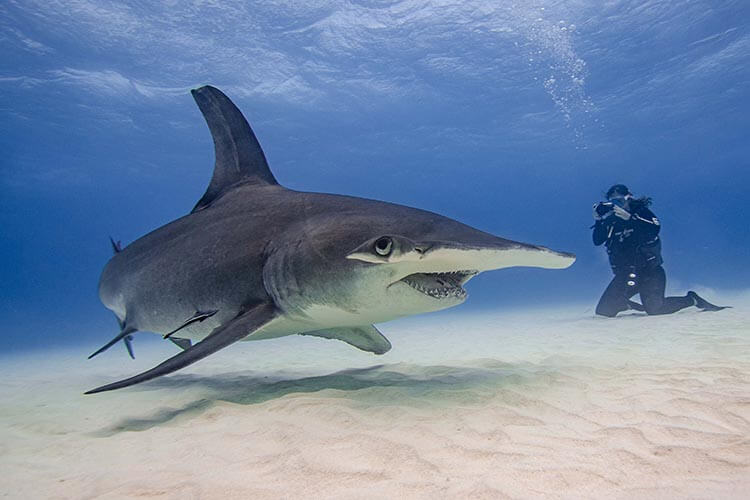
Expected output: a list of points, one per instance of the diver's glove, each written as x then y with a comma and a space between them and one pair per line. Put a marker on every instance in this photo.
621, 212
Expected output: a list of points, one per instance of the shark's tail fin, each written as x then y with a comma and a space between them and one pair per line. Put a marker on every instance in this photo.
125, 335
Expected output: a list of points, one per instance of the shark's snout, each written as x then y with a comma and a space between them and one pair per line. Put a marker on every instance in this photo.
440, 269
493, 255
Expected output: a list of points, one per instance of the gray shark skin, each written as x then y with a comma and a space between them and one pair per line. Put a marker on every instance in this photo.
266, 261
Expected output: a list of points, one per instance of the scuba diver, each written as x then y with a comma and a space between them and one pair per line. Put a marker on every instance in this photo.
631, 233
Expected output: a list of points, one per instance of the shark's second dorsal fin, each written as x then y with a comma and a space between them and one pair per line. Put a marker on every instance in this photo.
239, 157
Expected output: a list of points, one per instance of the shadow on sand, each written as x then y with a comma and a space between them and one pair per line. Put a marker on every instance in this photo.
402, 381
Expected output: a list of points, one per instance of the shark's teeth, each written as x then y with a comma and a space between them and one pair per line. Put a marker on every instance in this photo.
440, 285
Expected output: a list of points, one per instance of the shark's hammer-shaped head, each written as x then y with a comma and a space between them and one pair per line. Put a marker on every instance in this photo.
397, 261
433, 272
428, 274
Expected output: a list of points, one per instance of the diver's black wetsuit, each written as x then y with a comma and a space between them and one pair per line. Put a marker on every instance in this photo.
634, 250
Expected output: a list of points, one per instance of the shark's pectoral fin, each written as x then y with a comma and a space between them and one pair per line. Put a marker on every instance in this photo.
239, 157
226, 334
367, 337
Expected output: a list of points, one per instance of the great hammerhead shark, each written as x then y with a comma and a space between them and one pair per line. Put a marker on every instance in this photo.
255, 260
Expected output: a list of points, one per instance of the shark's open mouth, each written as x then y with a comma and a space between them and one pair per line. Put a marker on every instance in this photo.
440, 285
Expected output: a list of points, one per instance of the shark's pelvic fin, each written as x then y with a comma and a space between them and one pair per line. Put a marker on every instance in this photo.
229, 333
123, 335
181, 343
239, 157
366, 338
195, 318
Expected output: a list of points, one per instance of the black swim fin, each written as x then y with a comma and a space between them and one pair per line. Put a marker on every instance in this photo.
635, 306
703, 304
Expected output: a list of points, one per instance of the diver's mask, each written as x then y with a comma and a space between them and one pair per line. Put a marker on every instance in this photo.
618, 200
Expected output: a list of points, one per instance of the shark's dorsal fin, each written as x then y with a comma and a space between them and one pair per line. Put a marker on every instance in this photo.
367, 337
116, 245
239, 157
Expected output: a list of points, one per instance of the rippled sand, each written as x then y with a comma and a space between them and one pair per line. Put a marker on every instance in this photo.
543, 404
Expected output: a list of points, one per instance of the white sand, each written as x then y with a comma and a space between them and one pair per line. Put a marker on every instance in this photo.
543, 404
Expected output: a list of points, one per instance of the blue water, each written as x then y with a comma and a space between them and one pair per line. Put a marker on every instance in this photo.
514, 119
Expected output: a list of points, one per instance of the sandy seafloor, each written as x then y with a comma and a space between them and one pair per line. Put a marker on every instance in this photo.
544, 403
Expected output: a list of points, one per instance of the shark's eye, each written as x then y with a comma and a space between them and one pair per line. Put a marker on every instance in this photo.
383, 246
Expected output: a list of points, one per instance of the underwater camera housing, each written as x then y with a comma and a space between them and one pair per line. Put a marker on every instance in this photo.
604, 207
